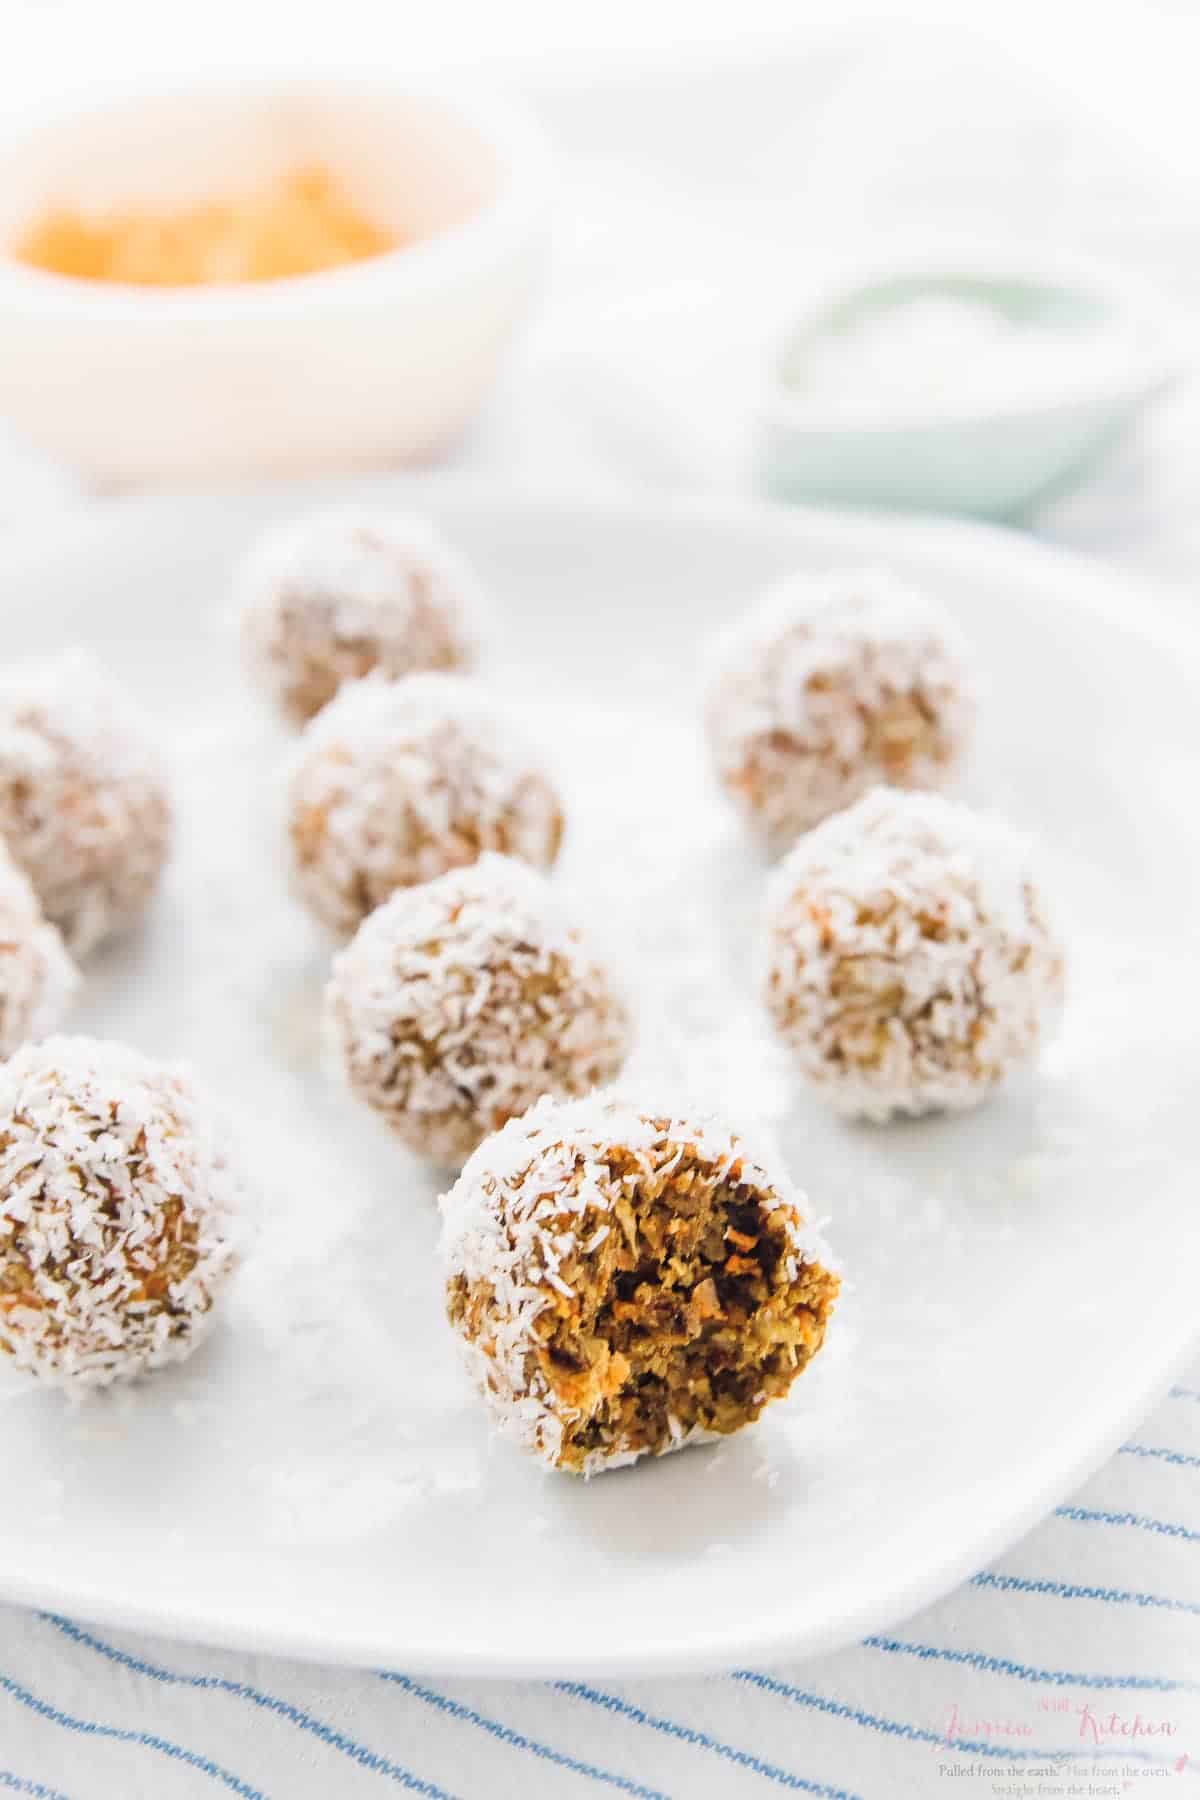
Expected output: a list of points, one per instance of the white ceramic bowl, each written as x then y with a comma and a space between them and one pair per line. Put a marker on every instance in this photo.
385, 359
994, 461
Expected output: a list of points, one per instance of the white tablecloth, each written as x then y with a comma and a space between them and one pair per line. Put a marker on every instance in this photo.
1072, 1665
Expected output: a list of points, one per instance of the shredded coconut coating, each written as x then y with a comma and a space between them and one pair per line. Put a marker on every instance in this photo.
38, 979
327, 598
461, 1002
832, 685
395, 783
535, 1225
84, 805
115, 1209
910, 966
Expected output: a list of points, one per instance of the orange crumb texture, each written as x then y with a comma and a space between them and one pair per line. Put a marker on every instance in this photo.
303, 223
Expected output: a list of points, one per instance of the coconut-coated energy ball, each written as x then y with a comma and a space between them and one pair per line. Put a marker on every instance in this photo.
84, 805
910, 965
625, 1282
116, 1206
830, 686
461, 1002
38, 979
327, 598
395, 783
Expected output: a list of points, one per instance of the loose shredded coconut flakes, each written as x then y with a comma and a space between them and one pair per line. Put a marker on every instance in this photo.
624, 1283
831, 685
460, 1002
937, 356
910, 965
327, 598
395, 783
116, 1209
84, 805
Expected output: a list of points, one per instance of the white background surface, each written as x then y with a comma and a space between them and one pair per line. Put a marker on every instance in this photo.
686, 183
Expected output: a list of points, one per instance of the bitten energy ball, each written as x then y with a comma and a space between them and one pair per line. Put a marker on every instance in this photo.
328, 598
395, 783
460, 1003
910, 964
115, 1209
832, 685
38, 980
625, 1282
84, 805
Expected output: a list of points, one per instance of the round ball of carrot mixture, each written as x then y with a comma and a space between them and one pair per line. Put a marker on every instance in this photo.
84, 805
910, 963
396, 782
38, 979
625, 1282
329, 597
831, 685
116, 1203
459, 1003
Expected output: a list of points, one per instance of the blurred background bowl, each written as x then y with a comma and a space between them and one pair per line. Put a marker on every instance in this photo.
384, 359
995, 457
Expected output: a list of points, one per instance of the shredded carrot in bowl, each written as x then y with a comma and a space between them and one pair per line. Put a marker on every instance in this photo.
301, 224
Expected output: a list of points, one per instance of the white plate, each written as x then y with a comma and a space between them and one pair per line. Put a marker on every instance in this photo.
1022, 1282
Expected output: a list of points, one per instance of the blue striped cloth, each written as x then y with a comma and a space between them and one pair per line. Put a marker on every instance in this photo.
1070, 1667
